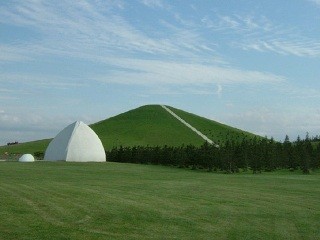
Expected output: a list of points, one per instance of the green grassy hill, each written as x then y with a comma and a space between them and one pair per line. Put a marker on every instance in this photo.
215, 131
147, 125
27, 147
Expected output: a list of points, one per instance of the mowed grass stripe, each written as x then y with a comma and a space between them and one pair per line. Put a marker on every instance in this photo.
125, 201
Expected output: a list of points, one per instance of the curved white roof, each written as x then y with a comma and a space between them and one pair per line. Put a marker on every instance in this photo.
26, 158
76, 143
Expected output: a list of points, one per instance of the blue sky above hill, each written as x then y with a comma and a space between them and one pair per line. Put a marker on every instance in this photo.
250, 64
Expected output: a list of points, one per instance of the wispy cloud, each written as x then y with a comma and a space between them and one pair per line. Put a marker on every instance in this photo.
284, 47
70, 26
261, 34
298, 92
315, 1
219, 90
24, 126
148, 72
91, 32
12, 53
276, 122
39, 81
239, 24
154, 3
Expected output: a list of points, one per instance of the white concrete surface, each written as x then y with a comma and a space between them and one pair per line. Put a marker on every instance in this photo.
76, 143
26, 158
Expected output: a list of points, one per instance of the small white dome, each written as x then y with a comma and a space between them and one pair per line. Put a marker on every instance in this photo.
26, 158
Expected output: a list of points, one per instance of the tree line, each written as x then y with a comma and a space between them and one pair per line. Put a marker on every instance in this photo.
255, 154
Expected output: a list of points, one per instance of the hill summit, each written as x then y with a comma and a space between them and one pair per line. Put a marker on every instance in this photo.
150, 125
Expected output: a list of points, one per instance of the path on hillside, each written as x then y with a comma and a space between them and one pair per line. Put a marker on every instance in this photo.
189, 126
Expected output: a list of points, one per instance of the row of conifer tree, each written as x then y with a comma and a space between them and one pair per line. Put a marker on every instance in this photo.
255, 154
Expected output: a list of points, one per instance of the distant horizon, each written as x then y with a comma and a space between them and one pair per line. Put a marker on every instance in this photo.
253, 65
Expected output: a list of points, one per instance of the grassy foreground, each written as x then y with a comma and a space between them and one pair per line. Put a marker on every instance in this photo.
46, 200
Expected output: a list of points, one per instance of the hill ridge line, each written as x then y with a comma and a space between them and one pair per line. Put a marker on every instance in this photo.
189, 126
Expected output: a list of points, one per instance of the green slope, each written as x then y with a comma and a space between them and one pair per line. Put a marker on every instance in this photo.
215, 131
147, 125
27, 147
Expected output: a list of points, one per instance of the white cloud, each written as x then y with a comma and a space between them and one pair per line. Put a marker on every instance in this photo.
12, 54
219, 90
25, 126
94, 28
261, 34
39, 81
101, 36
284, 47
300, 49
315, 1
238, 24
273, 122
82, 25
154, 3
163, 72
229, 105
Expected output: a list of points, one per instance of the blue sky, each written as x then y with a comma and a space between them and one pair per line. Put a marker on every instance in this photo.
251, 64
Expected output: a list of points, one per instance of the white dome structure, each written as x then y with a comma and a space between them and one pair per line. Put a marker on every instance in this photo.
26, 158
76, 143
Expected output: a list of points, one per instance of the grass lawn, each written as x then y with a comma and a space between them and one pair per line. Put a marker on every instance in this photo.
46, 200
